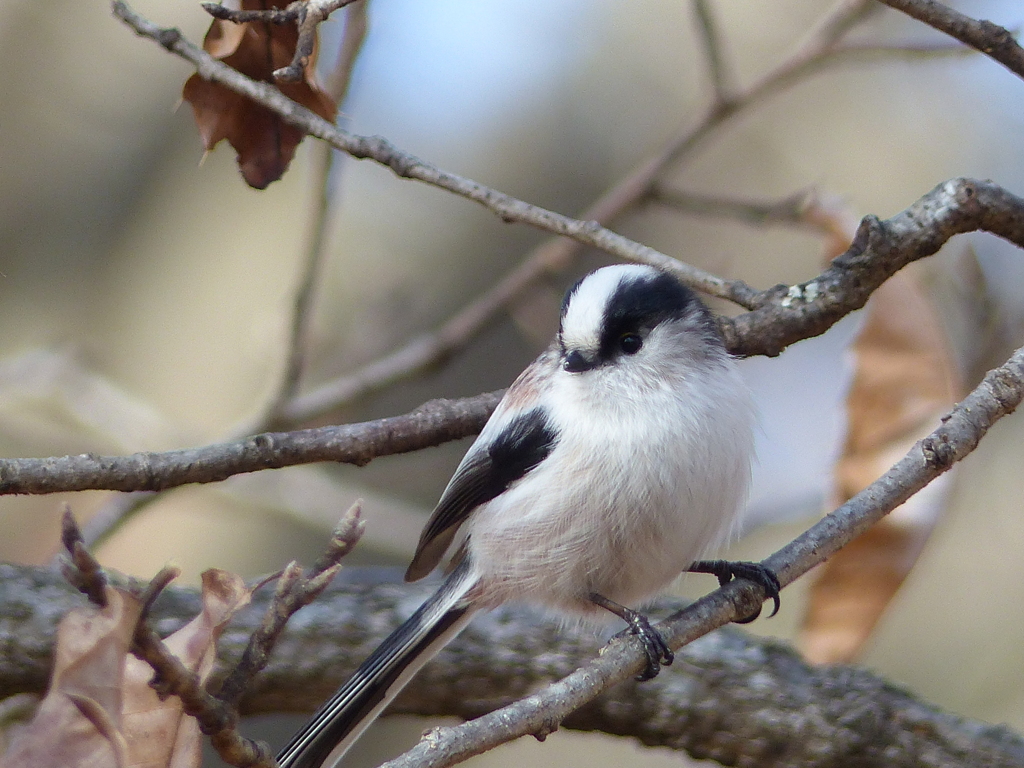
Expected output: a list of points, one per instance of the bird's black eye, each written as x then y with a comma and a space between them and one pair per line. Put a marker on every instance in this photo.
630, 343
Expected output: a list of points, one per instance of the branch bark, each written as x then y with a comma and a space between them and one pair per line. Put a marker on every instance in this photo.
713, 702
785, 314
991, 39
431, 424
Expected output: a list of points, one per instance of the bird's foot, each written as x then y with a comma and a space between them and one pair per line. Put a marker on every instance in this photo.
727, 570
654, 645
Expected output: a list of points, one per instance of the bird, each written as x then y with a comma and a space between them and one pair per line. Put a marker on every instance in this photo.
615, 461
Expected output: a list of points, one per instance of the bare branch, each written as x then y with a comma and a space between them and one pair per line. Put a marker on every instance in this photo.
307, 15
811, 56
431, 424
880, 249
711, 703
721, 76
994, 41
294, 591
406, 165
216, 718
784, 315
316, 250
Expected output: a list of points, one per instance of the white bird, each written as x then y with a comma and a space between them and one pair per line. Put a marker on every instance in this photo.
617, 459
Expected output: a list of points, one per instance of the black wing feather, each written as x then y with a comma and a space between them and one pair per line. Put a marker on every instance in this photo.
484, 474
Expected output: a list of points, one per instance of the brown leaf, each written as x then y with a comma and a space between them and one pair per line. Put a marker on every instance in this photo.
265, 144
78, 724
158, 732
905, 379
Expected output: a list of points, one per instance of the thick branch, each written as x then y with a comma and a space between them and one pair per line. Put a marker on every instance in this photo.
787, 314
991, 39
728, 696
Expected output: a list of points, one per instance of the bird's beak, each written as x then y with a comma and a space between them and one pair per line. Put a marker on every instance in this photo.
577, 362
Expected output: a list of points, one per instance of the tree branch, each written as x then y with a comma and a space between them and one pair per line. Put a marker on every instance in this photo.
785, 315
710, 703
433, 423
994, 41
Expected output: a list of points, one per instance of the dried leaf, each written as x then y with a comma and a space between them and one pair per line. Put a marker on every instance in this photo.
265, 144
158, 732
905, 379
78, 724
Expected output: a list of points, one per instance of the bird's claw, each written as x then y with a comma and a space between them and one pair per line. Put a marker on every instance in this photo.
727, 570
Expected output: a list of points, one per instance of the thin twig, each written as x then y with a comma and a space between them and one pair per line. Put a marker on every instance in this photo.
216, 718
294, 590
307, 15
326, 189
722, 83
433, 423
78, 566
994, 41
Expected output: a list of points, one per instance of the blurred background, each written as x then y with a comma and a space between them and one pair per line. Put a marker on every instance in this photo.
145, 296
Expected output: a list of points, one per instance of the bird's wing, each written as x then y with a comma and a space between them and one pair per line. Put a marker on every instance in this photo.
490, 466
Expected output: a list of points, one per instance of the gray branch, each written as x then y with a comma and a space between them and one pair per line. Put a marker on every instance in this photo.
991, 39
433, 423
784, 315
729, 697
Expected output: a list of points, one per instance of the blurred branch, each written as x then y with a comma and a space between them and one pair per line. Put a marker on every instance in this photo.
994, 41
338, 84
729, 696
119, 509
721, 75
307, 15
789, 210
625, 196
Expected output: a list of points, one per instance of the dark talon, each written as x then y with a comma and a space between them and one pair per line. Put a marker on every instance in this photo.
727, 570
655, 647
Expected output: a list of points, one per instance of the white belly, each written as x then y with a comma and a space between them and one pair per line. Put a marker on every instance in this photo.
627, 505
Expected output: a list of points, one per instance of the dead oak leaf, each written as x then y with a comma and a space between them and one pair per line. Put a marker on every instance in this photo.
905, 379
78, 723
264, 142
159, 734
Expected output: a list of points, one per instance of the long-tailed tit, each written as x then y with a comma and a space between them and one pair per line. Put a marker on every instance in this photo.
614, 462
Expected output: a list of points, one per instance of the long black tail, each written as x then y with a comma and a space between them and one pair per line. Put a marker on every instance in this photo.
340, 721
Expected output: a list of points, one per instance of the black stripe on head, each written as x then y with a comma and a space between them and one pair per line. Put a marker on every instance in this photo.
641, 304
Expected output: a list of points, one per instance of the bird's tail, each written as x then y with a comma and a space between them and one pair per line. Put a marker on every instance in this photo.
340, 721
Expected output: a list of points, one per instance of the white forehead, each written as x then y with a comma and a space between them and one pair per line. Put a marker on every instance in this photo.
585, 312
